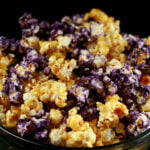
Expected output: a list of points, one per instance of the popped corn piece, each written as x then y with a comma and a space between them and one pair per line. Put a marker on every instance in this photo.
57, 136
2, 114
48, 46
111, 112
55, 116
106, 137
97, 15
30, 42
147, 40
84, 138
112, 65
62, 68
12, 116
63, 42
102, 47
145, 80
146, 106
116, 44
53, 91
5, 61
31, 105
120, 128
73, 111
75, 122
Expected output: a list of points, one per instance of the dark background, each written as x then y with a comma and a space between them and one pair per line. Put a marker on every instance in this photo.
134, 15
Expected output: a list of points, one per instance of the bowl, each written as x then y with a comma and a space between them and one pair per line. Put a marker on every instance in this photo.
10, 141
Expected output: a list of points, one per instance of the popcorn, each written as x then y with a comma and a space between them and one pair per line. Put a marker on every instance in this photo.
2, 114
62, 68
81, 139
31, 42
102, 47
111, 112
47, 46
58, 136
53, 91
12, 116
55, 116
106, 137
74, 82
31, 105
96, 29
63, 41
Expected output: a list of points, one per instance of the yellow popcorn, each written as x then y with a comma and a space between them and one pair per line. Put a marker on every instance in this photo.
106, 137
111, 111
62, 68
120, 128
63, 42
97, 15
31, 105
147, 40
102, 46
5, 61
55, 116
75, 122
30, 42
2, 114
57, 136
112, 65
84, 138
53, 91
48, 46
146, 107
12, 116
116, 44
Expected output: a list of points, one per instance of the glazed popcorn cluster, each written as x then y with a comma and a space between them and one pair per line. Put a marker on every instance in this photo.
78, 82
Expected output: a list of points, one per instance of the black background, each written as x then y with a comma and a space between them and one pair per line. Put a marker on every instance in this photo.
134, 15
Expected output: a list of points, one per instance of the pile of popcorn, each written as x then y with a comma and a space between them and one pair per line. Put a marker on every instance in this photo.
77, 82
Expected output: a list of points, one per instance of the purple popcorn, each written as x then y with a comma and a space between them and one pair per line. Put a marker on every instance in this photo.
110, 85
97, 85
131, 39
88, 113
97, 72
94, 83
13, 88
42, 125
96, 29
32, 27
29, 25
80, 93
44, 30
138, 123
25, 127
60, 28
4, 43
15, 98
37, 127
41, 134
55, 33
84, 34
32, 55
78, 19
85, 58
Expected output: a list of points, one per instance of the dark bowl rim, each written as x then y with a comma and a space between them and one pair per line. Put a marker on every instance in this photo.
130, 140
